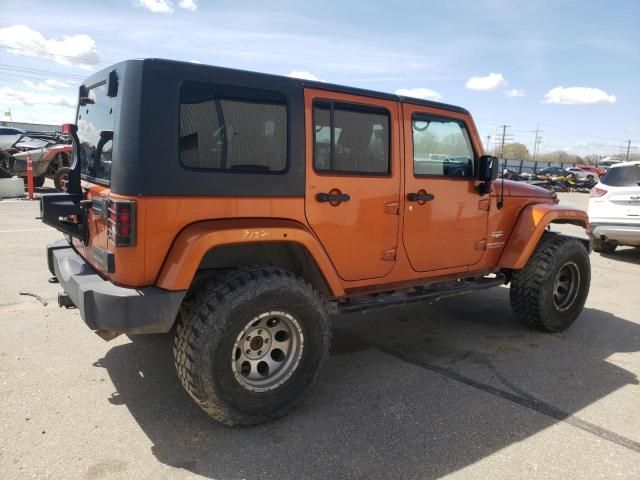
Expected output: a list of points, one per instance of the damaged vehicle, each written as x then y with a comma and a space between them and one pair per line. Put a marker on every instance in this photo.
50, 155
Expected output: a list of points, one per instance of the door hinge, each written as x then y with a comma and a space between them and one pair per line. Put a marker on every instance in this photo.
389, 255
484, 204
481, 244
392, 208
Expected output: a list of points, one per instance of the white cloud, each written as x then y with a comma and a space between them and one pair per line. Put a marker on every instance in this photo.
47, 85
189, 5
304, 75
10, 96
578, 96
514, 92
79, 50
156, 6
424, 93
166, 6
493, 81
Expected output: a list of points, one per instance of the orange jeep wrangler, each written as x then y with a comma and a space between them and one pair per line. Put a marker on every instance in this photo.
240, 209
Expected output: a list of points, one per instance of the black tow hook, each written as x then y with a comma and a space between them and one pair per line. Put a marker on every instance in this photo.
64, 300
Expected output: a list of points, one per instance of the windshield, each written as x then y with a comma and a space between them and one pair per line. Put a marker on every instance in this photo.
627, 176
95, 133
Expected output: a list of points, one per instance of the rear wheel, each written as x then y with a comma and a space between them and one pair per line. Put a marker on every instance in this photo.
550, 291
248, 347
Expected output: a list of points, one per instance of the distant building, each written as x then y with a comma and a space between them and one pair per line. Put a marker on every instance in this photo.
33, 127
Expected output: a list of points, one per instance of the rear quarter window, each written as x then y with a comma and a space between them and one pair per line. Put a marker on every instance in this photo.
232, 130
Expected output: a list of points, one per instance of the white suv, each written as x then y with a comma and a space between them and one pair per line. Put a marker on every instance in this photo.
614, 208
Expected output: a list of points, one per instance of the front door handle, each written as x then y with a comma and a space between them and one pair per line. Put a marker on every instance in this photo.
420, 197
332, 198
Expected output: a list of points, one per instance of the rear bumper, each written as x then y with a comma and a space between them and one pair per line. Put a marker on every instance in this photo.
622, 234
105, 306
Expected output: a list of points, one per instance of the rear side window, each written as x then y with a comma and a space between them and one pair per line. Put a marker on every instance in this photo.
441, 147
627, 176
233, 131
350, 138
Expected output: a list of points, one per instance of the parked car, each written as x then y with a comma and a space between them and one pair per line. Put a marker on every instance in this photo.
582, 174
553, 172
614, 208
599, 171
274, 202
50, 156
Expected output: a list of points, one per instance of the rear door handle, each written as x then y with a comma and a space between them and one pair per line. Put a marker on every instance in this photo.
421, 196
333, 198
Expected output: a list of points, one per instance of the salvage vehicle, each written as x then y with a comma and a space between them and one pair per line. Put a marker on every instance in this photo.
50, 156
240, 210
614, 208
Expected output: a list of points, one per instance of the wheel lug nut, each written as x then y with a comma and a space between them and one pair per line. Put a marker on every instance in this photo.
259, 332
248, 352
266, 340
259, 352
248, 338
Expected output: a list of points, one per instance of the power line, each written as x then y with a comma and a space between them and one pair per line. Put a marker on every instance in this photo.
12, 69
85, 60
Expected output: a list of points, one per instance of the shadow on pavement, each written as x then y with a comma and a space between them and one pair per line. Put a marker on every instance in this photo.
415, 391
624, 254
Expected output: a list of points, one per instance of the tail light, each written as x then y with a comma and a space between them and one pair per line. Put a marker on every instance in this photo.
122, 222
597, 192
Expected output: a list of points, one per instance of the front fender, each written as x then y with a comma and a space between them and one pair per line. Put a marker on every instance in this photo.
193, 243
529, 229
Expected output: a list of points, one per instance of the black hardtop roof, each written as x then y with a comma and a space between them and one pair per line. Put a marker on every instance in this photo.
160, 62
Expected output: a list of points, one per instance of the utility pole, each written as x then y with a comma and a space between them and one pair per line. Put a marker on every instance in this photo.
488, 142
502, 141
536, 143
628, 148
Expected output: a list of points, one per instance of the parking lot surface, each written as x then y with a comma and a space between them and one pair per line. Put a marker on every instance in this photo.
454, 389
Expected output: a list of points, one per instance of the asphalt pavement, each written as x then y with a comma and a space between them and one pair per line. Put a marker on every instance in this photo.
454, 389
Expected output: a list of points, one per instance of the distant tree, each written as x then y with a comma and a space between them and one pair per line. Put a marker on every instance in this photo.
560, 156
515, 151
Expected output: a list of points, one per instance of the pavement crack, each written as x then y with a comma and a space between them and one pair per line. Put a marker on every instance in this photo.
521, 398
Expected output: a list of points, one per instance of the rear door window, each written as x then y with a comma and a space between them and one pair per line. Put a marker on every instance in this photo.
350, 138
627, 176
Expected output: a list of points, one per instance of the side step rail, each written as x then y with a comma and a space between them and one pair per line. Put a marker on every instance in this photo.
433, 292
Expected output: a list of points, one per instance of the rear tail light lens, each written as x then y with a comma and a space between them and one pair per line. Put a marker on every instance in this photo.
597, 192
122, 222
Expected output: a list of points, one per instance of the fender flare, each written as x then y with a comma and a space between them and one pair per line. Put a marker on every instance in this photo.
531, 224
194, 241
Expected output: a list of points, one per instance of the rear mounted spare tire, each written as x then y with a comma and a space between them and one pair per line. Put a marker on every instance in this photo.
550, 291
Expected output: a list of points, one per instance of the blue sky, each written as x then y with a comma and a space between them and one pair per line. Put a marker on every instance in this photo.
572, 67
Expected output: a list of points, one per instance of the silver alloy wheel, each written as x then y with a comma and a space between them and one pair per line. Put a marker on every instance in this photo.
267, 351
566, 286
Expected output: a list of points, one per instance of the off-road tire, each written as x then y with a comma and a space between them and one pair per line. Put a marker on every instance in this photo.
532, 288
59, 176
602, 246
209, 323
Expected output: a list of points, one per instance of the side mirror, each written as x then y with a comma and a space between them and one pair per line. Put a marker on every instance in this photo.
488, 168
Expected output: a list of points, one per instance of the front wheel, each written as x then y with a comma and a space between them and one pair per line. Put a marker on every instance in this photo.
550, 291
248, 347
